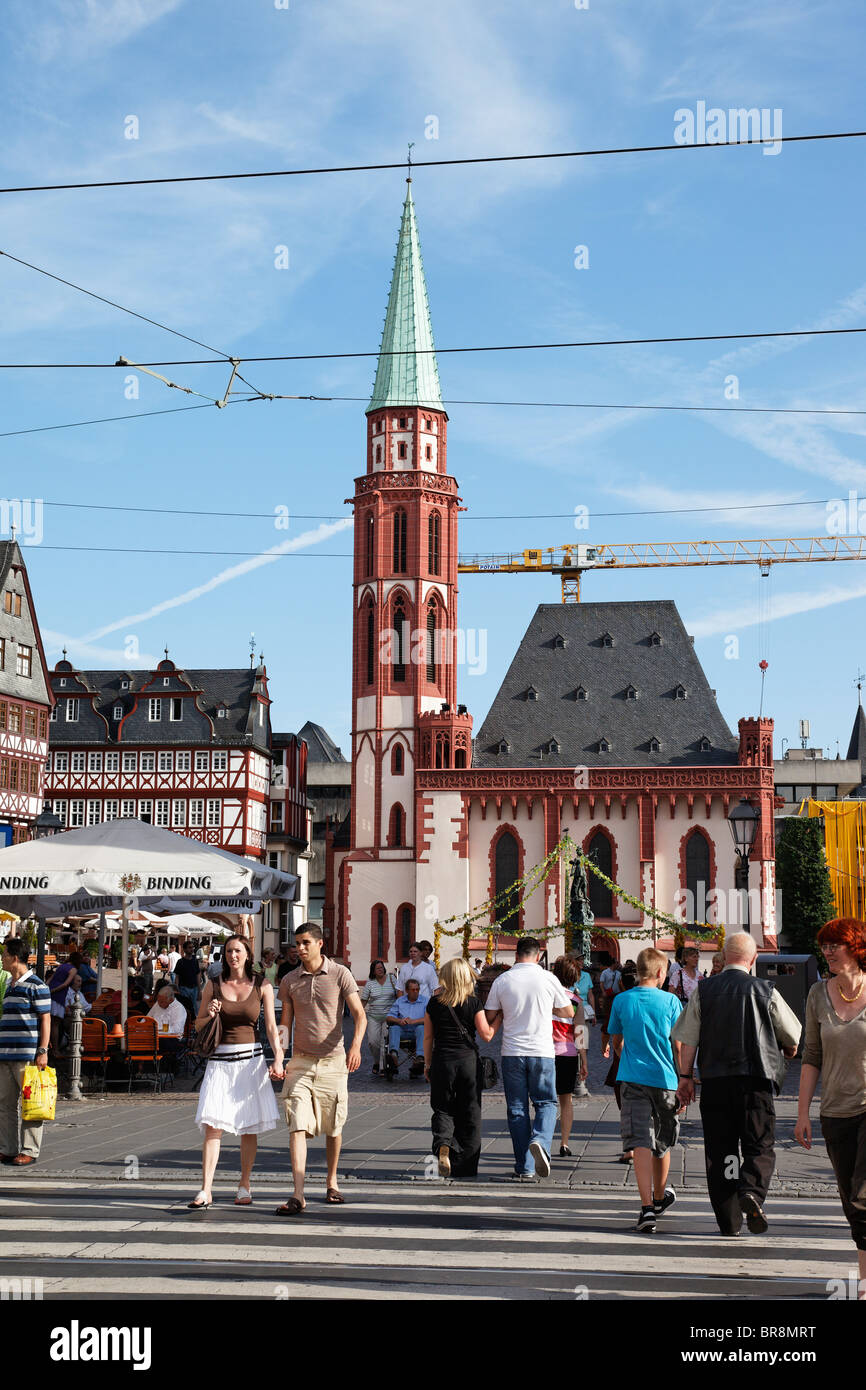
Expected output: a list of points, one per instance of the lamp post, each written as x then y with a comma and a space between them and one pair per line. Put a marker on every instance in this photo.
46, 824
743, 821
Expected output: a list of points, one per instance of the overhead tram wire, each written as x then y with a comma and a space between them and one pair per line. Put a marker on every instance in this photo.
432, 163
544, 405
521, 516
446, 351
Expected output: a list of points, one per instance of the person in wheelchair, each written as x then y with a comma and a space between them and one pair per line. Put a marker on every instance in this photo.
406, 1020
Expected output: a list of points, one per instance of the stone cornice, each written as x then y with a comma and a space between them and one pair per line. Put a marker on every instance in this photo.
731, 780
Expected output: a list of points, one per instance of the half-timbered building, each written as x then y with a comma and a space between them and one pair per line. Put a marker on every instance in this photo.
25, 700
186, 750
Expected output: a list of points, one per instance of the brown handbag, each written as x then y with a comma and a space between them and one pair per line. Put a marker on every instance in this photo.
208, 1038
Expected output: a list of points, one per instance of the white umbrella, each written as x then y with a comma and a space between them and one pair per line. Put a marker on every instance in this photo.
126, 863
188, 924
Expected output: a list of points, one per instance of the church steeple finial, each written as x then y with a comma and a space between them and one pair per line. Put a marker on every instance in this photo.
406, 374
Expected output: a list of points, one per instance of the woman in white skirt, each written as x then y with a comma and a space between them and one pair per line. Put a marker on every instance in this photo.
236, 1093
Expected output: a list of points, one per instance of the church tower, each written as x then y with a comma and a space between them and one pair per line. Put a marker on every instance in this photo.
404, 680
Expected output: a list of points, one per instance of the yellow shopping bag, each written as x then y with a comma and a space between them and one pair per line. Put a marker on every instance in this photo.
38, 1093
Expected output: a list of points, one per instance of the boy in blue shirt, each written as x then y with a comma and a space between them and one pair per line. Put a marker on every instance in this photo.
640, 1026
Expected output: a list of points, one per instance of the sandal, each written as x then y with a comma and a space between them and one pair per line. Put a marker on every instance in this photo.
244, 1197
291, 1208
201, 1202
626, 1158
334, 1197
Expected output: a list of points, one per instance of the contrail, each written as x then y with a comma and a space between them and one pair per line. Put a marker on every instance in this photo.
321, 533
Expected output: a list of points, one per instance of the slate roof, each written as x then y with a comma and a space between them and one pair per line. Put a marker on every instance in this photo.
605, 648
321, 748
406, 373
230, 689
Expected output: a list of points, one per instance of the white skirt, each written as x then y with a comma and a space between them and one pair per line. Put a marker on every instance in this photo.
236, 1094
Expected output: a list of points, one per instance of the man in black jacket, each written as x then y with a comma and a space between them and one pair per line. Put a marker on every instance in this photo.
743, 1028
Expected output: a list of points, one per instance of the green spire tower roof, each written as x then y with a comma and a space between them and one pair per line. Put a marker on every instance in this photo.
407, 374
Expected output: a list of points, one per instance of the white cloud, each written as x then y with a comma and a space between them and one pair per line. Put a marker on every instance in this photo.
782, 606
81, 29
84, 654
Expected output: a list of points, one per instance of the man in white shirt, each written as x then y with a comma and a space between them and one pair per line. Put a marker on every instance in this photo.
417, 968
525, 1000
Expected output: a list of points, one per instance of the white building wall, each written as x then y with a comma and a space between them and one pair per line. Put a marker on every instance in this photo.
442, 883
531, 835
668, 836
390, 882
365, 795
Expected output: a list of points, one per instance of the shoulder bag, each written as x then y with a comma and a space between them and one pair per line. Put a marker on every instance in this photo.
489, 1069
208, 1038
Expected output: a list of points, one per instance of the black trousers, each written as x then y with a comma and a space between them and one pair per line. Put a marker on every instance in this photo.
455, 1095
739, 1121
845, 1138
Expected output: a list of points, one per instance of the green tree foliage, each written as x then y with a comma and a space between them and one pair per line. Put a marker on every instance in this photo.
803, 879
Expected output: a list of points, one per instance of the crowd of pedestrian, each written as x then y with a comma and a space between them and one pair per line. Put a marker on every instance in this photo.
659, 1022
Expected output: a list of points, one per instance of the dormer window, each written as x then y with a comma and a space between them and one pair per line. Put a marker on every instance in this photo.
63, 682
631, 692
118, 711
679, 692
124, 685
581, 693
551, 746
531, 693
654, 745
655, 639
604, 745
222, 712
559, 640
606, 640
503, 746
705, 745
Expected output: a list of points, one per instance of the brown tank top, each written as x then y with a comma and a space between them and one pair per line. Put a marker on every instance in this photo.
239, 1019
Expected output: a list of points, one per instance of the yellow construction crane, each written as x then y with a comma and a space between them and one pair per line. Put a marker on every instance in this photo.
571, 561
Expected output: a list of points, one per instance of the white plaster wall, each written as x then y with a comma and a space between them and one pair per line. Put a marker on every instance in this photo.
398, 712
365, 795
402, 465
391, 882
626, 836
431, 702
363, 592
442, 883
365, 712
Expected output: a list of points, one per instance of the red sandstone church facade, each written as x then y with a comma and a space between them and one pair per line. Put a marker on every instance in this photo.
605, 727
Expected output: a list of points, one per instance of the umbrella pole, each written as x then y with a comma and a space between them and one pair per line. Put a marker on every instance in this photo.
101, 952
124, 968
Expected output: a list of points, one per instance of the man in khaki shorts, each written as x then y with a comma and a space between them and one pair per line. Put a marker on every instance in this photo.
315, 1091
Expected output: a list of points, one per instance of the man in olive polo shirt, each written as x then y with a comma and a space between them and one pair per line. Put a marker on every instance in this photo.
315, 1091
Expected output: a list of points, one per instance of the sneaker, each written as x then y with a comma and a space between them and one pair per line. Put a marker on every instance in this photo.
661, 1204
565, 1151
523, 1177
444, 1162
393, 1059
542, 1160
755, 1218
646, 1222
581, 1090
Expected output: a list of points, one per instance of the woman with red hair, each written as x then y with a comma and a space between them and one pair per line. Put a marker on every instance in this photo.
835, 1050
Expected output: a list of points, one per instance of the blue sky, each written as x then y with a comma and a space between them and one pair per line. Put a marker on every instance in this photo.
697, 241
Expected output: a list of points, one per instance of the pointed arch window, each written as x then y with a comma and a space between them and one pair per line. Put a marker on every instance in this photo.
398, 668
506, 870
433, 531
397, 827
400, 526
406, 928
697, 875
379, 932
600, 896
431, 643
397, 760
369, 541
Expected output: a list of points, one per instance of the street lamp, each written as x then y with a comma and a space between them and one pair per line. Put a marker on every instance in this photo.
46, 824
743, 821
